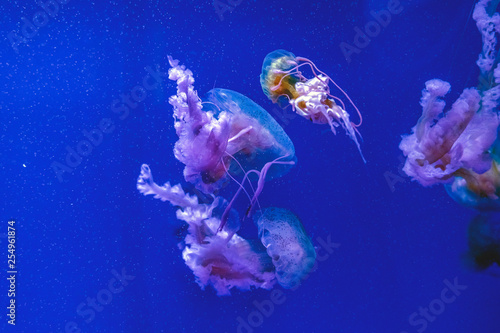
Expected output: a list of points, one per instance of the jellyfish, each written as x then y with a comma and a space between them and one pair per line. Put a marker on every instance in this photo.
284, 83
226, 134
443, 145
484, 242
255, 137
459, 147
479, 190
223, 260
287, 243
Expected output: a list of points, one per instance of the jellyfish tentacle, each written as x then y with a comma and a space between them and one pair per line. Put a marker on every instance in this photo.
337, 99
244, 172
351, 131
225, 215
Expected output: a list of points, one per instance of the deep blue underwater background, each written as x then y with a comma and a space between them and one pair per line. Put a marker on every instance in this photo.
398, 243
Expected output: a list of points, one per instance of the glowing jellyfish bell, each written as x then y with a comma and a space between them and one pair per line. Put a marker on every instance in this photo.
224, 259
226, 134
288, 245
284, 83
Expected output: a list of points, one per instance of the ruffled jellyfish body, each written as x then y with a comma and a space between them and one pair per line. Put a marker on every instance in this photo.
202, 136
287, 243
284, 83
226, 264
459, 147
453, 147
279, 87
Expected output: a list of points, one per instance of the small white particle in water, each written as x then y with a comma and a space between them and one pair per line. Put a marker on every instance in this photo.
24, 165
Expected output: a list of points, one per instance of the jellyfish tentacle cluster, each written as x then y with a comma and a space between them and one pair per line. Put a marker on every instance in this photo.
459, 147
223, 260
284, 83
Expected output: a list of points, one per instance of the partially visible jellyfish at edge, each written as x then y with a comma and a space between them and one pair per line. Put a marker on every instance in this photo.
284, 83
460, 147
225, 136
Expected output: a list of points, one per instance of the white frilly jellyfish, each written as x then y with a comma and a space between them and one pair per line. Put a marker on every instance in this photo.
221, 259
446, 144
287, 243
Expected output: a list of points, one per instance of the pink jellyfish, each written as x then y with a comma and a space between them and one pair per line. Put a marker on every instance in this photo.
232, 134
223, 259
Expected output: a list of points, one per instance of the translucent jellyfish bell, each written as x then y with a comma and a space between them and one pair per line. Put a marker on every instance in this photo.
288, 245
257, 144
484, 241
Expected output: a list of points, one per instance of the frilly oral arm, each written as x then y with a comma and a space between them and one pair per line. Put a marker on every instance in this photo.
173, 194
